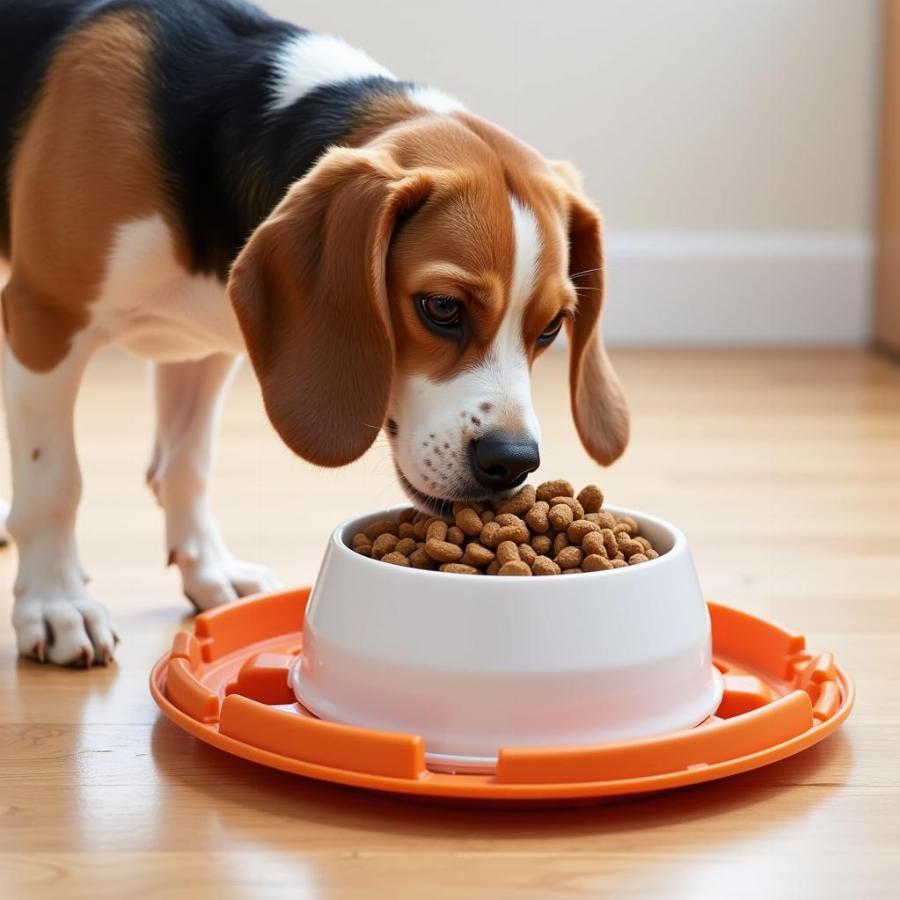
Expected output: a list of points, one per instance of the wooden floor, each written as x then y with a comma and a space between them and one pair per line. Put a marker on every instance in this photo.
783, 468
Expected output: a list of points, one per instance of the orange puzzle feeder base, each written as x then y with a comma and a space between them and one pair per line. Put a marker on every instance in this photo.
227, 684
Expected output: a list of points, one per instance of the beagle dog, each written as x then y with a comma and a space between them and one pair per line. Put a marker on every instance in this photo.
194, 180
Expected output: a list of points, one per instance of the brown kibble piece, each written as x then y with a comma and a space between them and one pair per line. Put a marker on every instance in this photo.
527, 554
384, 544
405, 546
543, 565
596, 563
610, 542
602, 518
405, 515
493, 568
382, 526
626, 523
456, 535
477, 555
519, 503
550, 489
629, 547
536, 517
395, 559
420, 526
560, 516
575, 571
507, 551
560, 541
651, 554
487, 516
542, 544
514, 567
490, 535
459, 569
619, 563
407, 530
580, 528
443, 551
364, 549
572, 503
593, 544
437, 530
637, 558
469, 521
569, 557
360, 540
591, 498
419, 559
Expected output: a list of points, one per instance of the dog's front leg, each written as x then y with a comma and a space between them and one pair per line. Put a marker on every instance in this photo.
54, 615
188, 400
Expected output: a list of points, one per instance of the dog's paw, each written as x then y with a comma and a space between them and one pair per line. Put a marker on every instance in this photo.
65, 628
215, 577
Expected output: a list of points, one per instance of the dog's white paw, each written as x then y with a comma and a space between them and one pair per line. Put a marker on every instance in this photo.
213, 576
65, 627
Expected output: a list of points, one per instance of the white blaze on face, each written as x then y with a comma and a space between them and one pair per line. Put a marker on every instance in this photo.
437, 420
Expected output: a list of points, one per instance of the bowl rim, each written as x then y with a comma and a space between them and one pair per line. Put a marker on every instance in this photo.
679, 546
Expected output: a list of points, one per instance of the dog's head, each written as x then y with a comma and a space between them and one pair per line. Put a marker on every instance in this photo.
410, 285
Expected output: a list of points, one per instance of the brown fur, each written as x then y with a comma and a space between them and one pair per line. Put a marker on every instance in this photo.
85, 164
313, 287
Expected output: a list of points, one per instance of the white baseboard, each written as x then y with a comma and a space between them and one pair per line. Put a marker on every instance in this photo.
702, 288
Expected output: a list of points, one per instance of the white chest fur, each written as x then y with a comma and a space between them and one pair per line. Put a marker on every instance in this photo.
150, 305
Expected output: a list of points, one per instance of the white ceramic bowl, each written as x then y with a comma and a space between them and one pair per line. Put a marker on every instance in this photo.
476, 663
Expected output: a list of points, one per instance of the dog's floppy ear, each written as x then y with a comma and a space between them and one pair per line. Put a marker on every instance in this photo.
309, 292
598, 404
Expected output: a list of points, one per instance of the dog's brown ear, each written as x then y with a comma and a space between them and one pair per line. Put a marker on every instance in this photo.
309, 293
598, 404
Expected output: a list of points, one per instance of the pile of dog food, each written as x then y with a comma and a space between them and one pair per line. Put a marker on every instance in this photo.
547, 530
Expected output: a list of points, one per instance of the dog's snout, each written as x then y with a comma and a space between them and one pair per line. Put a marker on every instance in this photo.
501, 461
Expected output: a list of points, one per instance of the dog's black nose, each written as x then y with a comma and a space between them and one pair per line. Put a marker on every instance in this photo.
501, 461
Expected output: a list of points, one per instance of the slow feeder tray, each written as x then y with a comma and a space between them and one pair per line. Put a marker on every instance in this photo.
227, 684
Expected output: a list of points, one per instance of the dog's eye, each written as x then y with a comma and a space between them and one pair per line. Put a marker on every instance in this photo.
548, 335
442, 311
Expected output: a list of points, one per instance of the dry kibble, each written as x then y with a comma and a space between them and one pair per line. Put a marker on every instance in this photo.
630, 547
593, 544
514, 567
572, 503
543, 565
569, 557
469, 521
477, 555
384, 544
507, 551
395, 558
527, 554
382, 526
419, 559
595, 563
536, 517
560, 516
591, 498
580, 528
548, 530
490, 535
443, 551
519, 503
558, 488
560, 541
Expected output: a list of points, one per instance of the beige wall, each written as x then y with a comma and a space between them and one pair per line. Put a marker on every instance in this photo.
745, 115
